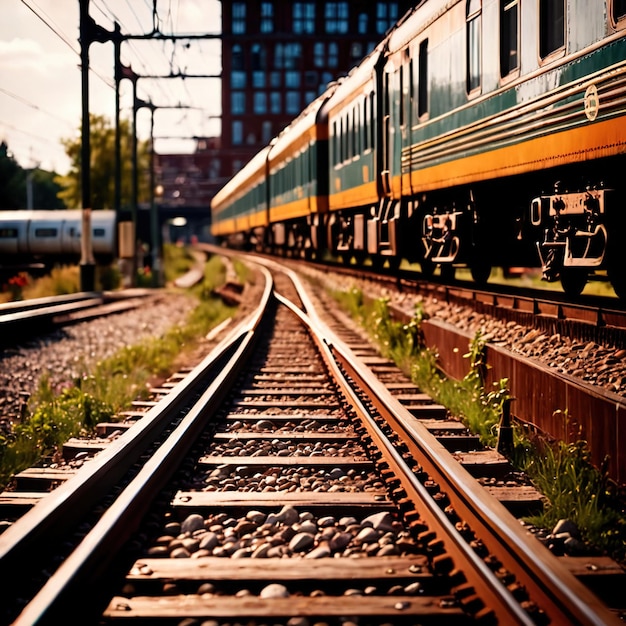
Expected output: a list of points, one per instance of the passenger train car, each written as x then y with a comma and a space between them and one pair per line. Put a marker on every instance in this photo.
54, 236
479, 133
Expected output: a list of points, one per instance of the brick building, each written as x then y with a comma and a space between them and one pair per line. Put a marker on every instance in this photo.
277, 56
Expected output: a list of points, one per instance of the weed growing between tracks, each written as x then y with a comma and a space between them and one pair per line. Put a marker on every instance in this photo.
563, 473
107, 386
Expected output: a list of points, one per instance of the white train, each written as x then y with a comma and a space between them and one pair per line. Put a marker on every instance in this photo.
51, 237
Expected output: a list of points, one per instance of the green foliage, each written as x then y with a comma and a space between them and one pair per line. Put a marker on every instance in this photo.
105, 389
576, 490
562, 472
102, 166
177, 261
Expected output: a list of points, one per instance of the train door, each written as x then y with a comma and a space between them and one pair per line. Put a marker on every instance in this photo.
393, 125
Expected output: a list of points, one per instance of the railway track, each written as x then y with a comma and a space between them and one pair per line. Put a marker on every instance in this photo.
281, 479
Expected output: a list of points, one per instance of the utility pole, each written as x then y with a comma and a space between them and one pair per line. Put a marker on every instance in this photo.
89, 32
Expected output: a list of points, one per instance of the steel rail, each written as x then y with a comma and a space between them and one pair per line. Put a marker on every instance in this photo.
65, 505
550, 585
498, 598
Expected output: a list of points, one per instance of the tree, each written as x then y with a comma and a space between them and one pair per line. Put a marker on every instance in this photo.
102, 144
12, 181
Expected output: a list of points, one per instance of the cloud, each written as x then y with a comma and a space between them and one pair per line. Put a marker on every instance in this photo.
28, 55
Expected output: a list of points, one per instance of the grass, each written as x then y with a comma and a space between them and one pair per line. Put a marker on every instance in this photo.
108, 386
563, 473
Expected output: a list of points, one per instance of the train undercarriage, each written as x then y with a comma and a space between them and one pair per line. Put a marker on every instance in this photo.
564, 233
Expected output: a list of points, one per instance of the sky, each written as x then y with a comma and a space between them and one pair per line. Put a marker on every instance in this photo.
40, 75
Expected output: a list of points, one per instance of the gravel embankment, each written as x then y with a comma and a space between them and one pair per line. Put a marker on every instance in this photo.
65, 354
602, 366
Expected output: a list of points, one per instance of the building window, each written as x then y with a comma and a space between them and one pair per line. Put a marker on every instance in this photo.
276, 79
473, 44
275, 103
266, 133
237, 102
293, 52
362, 23
386, 16
336, 17
259, 58
292, 103
239, 18
508, 37
260, 102
309, 96
304, 17
267, 17
237, 130
333, 54
238, 80
237, 58
551, 26
258, 79
422, 86
292, 80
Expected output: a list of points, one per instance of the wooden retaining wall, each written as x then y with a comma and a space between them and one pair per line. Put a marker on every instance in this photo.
556, 404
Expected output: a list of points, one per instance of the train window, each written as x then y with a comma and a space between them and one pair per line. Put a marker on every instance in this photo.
99, 233
509, 53
618, 9
46, 232
372, 123
366, 145
551, 26
357, 130
422, 85
474, 44
8, 233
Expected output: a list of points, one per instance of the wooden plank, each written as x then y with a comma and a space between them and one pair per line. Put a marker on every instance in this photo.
428, 609
414, 398
429, 411
287, 391
293, 436
283, 461
451, 425
251, 499
280, 417
484, 463
290, 404
413, 567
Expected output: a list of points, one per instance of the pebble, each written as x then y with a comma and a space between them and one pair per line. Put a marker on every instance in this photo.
285, 533
66, 354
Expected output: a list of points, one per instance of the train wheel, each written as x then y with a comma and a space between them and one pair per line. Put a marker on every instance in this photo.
573, 280
480, 272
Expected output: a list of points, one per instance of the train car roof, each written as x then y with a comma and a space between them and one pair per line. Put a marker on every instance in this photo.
51, 215
415, 21
312, 115
235, 186
359, 75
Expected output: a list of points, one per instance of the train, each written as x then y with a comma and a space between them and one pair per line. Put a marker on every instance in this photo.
476, 134
50, 237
